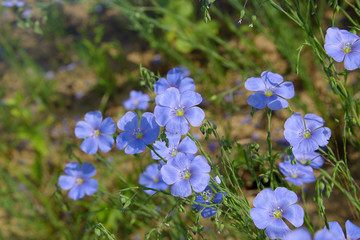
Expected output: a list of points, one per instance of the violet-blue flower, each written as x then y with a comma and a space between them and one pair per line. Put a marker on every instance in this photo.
137, 100
304, 234
78, 180
12, 3
271, 91
312, 159
271, 206
343, 45
152, 178
97, 133
177, 78
352, 231
186, 146
184, 173
208, 197
306, 136
297, 174
136, 136
176, 111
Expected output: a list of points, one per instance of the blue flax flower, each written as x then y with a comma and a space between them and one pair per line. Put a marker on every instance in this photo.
183, 173
137, 100
271, 91
12, 3
271, 206
312, 159
136, 136
186, 146
306, 136
177, 78
297, 174
96, 132
78, 180
342, 45
352, 231
175, 110
207, 197
304, 234
152, 178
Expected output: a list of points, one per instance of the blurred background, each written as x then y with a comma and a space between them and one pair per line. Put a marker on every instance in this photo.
62, 59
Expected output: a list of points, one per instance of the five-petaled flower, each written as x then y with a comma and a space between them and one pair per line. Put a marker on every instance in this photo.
342, 45
306, 136
177, 78
96, 132
271, 91
136, 136
174, 147
78, 180
271, 206
175, 110
183, 173
152, 178
297, 174
137, 100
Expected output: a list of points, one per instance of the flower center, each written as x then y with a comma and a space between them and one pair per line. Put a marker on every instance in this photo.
268, 92
138, 133
303, 161
306, 133
186, 174
347, 48
174, 152
208, 195
294, 175
156, 180
97, 132
179, 111
277, 213
79, 181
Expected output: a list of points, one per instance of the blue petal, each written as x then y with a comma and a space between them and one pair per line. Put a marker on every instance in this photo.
218, 198
163, 115
190, 98
352, 231
83, 130
335, 229
73, 169
285, 197
257, 100
352, 59
321, 136
129, 105
271, 79
66, 182
161, 85
169, 174
295, 123
174, 139
143, 105
199, 181
295, 181
334, 43
255, 84
277, 229
313, 121
276, 103
123, 139
94, 119
76, 192
181, 189
128, 122
149, 127
265, 200
90, 186
90, 145
8, 3
308, 145
187, 146
136, 146
108, 126
161, 149
285, 90
324, 235
208, 212
170, 98
174, 76
195, 116
87, 170
293, 137
105, 143
199, 165
180, 162
298, 234
186, 84
260, 217
178, 125
295, 215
